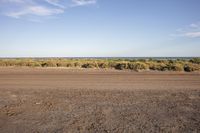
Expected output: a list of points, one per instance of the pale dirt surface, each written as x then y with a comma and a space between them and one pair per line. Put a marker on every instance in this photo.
66, 100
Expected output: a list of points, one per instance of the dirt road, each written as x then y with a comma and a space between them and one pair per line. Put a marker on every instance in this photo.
62, 100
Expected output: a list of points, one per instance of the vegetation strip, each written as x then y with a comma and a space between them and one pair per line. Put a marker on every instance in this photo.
119, 64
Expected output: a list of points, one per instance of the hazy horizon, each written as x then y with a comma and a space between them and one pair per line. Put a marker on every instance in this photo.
99, 28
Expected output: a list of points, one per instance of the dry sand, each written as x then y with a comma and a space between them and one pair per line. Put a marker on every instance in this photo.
66, 100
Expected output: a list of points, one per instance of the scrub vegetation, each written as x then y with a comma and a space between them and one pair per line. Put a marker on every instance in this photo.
119, 64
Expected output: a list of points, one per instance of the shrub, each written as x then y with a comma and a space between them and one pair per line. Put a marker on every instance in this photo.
2, 63
34, 64
150, 59
195, 60
103, 64
88, 65
171, 61
141, 60
49, 63
191, 67
112, 64
162, 61
9, 62
121, 66
177, 67
77, 64
158, 66
138, 66
21, 63
59, 64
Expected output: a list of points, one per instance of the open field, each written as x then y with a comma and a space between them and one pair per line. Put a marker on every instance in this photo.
89, 100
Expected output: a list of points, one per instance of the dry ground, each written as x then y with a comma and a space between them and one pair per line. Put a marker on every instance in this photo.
62, 100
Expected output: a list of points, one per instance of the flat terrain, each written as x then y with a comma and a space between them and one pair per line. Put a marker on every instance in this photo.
66, 100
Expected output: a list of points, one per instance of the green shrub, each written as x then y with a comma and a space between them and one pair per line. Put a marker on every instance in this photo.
195, 60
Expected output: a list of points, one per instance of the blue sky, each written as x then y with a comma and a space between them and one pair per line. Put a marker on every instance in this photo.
99, 28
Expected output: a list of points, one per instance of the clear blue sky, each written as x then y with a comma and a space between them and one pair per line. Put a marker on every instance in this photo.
98, 28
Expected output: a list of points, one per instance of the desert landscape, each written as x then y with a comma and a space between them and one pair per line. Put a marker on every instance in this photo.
99, 66
97, 100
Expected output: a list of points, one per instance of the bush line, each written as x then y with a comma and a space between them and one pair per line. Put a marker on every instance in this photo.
119, 64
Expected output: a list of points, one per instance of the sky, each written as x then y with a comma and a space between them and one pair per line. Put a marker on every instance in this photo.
99, 28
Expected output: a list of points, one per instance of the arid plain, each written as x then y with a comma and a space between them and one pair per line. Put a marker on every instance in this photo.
89, 100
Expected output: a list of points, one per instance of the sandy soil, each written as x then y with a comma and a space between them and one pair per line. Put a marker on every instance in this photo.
62, 100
